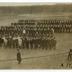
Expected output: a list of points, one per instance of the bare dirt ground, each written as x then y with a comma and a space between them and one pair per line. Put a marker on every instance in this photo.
38, 59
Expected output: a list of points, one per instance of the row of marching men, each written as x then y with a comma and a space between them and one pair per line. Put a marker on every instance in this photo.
18, 42
57, 25
23, 41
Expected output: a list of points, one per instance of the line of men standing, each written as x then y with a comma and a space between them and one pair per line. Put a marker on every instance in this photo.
29, 40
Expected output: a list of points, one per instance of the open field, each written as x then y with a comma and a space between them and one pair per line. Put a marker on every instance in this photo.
38, 59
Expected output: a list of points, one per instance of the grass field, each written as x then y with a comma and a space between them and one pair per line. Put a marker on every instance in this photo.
38, 59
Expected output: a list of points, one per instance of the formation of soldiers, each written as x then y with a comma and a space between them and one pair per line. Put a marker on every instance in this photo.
33, 33
59, 26
29, 34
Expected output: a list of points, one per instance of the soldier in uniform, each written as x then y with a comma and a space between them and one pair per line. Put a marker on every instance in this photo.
69, 58
18, 56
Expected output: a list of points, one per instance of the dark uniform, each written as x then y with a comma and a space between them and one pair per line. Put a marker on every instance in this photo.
19, 57
69, 59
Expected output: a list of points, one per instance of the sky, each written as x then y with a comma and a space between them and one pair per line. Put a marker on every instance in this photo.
27, 3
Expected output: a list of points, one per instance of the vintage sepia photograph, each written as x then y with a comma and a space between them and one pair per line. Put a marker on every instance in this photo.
36, 35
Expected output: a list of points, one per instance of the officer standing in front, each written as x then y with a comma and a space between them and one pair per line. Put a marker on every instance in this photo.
19, 56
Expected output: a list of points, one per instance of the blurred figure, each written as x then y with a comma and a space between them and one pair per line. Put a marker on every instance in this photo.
69, 63
62, 65
18, 56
